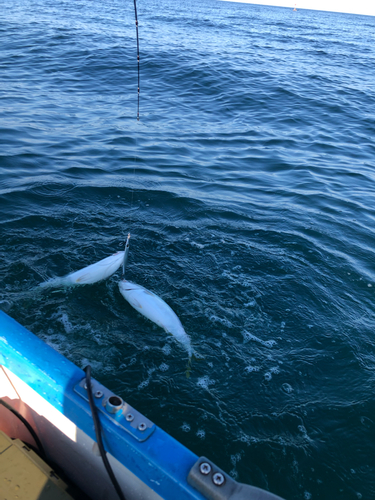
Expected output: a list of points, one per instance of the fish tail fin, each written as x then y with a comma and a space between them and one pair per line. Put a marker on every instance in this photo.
51, 283
193, 355
188, 368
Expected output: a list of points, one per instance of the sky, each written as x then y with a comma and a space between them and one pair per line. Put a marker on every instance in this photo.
366, 7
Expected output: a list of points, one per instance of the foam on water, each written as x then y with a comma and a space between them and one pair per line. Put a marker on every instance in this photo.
287, 388
167, 349
249, 336
235, 459
205, 382
250, 368
223, 321
201, 433
69, 328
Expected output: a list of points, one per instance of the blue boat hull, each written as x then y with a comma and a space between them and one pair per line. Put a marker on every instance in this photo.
49, 391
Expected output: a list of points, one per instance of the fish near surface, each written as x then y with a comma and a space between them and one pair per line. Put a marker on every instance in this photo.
91, 274
155, 309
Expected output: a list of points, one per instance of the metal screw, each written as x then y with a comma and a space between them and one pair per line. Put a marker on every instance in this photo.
205, 468
98, 394
142, 426
218, 479
129, 417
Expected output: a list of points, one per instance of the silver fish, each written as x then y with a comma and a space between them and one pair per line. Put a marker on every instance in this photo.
90, 274
155, 309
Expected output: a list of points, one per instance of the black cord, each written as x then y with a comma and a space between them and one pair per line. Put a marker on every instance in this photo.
28, 426
136, 27
98, 433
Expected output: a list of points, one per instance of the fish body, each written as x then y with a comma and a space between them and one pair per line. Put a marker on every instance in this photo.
90, 274
155, 309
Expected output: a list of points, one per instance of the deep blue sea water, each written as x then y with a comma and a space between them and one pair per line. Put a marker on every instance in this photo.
248, 189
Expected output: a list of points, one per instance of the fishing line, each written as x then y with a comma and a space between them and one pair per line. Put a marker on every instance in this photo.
126, 249
126, 254
136, 28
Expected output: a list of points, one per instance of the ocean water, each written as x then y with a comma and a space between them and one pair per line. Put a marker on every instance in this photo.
248, 189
